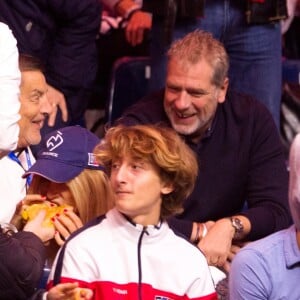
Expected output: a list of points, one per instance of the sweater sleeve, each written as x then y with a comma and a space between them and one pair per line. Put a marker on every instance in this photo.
267, 180
22, 260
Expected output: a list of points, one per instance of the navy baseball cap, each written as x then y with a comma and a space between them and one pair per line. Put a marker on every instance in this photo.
65, 153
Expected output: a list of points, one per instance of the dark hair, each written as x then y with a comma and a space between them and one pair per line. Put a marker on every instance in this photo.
30, 63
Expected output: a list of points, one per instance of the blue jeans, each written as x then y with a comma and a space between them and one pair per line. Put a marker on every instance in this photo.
254, 51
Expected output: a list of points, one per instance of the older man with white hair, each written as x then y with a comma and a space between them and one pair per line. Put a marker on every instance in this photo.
270, 268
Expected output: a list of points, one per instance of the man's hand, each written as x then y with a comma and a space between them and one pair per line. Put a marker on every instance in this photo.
28, 200
69, 291
56, 99
217, 243
136, 26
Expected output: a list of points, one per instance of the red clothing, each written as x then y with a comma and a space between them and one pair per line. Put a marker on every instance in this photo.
121, 260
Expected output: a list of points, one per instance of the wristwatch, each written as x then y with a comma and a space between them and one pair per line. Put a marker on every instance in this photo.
238, 227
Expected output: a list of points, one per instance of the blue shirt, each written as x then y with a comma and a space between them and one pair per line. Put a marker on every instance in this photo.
267, 269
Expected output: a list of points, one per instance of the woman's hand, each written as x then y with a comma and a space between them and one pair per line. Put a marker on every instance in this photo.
65, 224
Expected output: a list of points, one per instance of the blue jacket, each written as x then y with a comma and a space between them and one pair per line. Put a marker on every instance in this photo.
62, 33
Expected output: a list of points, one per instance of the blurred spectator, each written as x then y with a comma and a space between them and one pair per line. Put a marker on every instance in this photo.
112, 44
293, 7
34, 110
22, 257
249, 30
269, 268
9, 91
290, 30
62, 35
22, 254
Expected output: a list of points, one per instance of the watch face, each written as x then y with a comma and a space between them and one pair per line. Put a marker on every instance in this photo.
238, 226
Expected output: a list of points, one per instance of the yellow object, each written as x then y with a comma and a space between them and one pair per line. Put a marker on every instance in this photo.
30, 212
80, 293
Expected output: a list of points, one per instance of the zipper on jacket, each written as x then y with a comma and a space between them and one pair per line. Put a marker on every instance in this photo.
144, 231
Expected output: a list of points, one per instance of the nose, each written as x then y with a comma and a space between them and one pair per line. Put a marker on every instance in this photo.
45, 106
119, 175
182, 101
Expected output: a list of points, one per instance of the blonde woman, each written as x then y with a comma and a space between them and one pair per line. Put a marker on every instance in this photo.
66, 173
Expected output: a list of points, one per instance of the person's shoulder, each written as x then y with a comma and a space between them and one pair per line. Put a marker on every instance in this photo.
8, 39
186, 254
257, 261
182, 244
267, 247
243, 101
147, 110
154, 98
89, 230
247, 111
4, 29
8, 166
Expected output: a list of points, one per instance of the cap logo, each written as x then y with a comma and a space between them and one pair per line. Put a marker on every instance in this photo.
92, 160
54, 141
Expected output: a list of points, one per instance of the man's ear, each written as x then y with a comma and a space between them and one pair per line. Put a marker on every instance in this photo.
223, 90
167, 188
